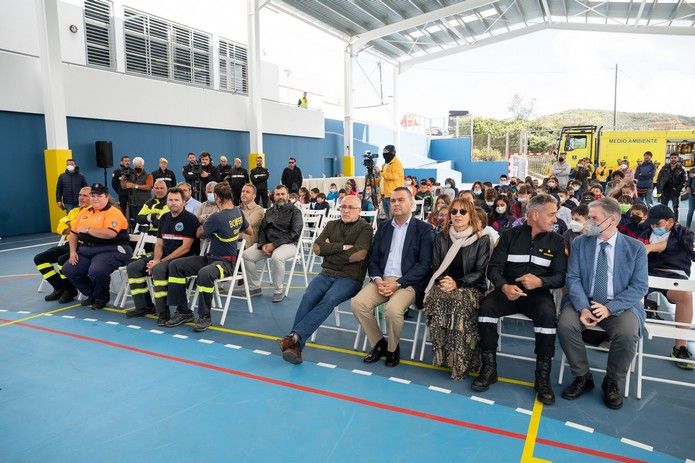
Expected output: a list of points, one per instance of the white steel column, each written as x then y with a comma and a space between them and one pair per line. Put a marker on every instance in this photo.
347, 122
255, 110
396, 106
51, 74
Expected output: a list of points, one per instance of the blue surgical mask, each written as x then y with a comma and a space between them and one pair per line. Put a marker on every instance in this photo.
659, 231
211, 197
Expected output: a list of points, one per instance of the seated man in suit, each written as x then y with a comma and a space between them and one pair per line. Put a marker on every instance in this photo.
399, 268
528, 261
606, 281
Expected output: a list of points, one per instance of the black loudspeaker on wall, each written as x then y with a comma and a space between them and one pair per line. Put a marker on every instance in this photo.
104, 154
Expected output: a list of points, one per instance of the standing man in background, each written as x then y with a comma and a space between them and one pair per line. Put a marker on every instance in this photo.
223, 168
303, 102
561, 171
644, 174
292, 176
123, 170
138, 186
391, 174
68, 188
259, 178
165, 174
190, 169
238, 176
670, 181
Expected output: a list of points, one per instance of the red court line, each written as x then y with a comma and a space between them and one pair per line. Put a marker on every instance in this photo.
343, 397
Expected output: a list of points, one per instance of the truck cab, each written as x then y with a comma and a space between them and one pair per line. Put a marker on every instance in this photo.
579, 142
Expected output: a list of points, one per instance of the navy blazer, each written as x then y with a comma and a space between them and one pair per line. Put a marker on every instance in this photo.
416, 260
630, 278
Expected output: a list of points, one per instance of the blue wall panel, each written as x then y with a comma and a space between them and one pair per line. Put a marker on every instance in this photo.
24, 206
458, 150
421, 173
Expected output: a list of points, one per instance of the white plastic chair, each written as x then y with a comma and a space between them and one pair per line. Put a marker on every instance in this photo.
298, 256
123, 290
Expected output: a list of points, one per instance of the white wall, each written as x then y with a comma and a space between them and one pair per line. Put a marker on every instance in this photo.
18, 27
20, 83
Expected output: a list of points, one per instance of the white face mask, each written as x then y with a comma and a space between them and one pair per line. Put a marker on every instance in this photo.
489, 203
623, 166
477, 192
211, 197
501, 209
576, 227
71, 168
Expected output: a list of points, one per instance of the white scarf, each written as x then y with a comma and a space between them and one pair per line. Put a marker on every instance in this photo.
459, 240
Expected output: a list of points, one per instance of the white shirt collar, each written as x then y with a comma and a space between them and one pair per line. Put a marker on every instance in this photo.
610, 240
405, 224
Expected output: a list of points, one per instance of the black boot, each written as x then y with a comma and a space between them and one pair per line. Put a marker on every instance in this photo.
379, 350
542, 385
488, 372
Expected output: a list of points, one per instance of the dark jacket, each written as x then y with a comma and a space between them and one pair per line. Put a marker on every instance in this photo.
416, 261
281, 225
517, 253
167, 175
223, 171
292, 179
691, 180
336, 260
237, 178
671, 181
475, 259
69, 186
501, 222
259, 178
116, 182
678, 254
644, 174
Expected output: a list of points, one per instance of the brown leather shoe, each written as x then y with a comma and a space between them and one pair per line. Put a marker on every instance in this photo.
286, 342
292, 355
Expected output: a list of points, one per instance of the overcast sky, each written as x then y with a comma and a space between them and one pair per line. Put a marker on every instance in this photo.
558, 69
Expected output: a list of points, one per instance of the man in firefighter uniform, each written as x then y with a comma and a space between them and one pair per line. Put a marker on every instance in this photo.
526, 264
63, 290
102, 231
222, 229
238, 177
154, 209
175, 238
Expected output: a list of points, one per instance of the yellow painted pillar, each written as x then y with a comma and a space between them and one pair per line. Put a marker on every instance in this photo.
55, 161
252, 160
348, 166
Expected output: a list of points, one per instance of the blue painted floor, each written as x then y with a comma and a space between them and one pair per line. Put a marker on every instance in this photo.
120, 393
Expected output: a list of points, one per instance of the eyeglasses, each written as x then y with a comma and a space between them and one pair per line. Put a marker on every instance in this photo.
458, 211
347, 208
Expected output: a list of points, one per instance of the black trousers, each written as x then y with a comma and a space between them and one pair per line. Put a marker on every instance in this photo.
539, 306
207, 269
53, 275
137, 280
675, 197
262, 198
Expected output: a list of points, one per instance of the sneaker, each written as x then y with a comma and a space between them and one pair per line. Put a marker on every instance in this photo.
278, 297
87, 301
68, 296
141, 312
682, 353
252, 292
202, 323
98, 305
162, 319
54, 296
179, 319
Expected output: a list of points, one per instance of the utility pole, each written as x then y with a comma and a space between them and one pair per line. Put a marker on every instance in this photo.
615, 96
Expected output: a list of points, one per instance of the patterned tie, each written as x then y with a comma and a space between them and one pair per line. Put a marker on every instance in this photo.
601, 277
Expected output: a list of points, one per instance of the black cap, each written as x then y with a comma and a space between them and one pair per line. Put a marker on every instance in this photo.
390, 149
99, 189
659, 212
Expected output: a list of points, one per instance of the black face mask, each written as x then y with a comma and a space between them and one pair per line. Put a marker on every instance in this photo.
635, 219
138, 169
388, 156
561, 159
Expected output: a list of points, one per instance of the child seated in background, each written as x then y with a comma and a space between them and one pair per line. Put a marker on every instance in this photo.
320, 204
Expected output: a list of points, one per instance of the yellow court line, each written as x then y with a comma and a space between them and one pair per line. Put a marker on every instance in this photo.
531, 434
335, 349
39, 315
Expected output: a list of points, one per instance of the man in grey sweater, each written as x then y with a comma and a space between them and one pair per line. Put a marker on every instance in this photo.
344, 245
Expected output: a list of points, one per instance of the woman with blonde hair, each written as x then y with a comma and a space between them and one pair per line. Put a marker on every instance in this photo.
460, 256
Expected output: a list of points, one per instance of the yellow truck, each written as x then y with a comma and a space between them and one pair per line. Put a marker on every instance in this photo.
590, 141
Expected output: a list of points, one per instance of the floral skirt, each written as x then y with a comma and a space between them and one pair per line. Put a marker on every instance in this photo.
452, 321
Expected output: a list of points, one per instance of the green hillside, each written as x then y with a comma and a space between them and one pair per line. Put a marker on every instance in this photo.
625, 121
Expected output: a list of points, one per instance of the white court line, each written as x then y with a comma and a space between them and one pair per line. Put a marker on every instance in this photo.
23, 311
439, 389
52, 243
399, 380
524, 411
90, 319
326, 365
362, 372
206, 341
688, 460
3, 310
261, 352
634, 443
579, 426
135, 327
67, 316
48, 315
112, 323
156, 331
180, 336
232, 346
482, 400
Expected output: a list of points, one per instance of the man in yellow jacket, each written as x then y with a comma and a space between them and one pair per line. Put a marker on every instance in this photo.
391, 176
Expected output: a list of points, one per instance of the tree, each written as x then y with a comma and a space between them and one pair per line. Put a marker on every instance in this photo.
521, 108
